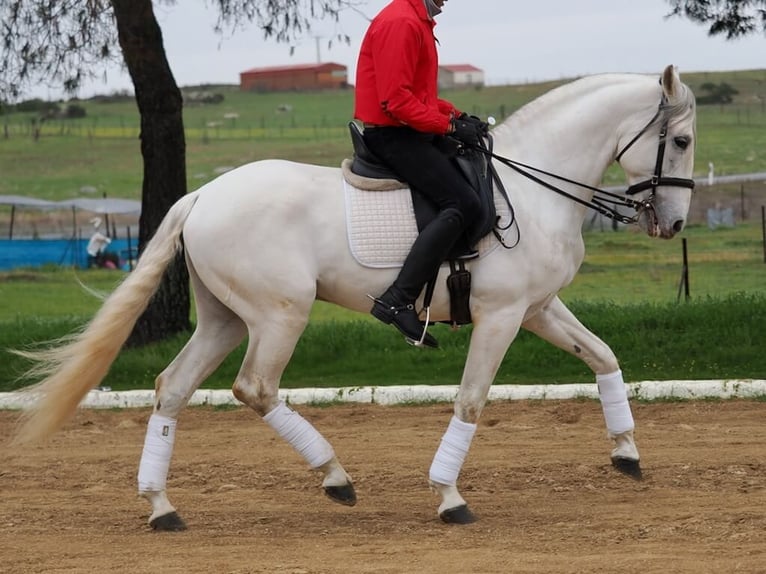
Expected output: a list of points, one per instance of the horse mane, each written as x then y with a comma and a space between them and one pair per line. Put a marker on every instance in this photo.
570, 91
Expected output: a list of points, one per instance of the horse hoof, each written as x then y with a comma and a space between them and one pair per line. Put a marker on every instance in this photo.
345, 494
458, 515
628, 467
170, 522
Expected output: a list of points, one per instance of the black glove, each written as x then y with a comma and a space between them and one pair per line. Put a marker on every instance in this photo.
482, 126
465, 131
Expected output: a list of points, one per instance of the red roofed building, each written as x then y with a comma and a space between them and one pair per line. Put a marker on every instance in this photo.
302, 77
460, 75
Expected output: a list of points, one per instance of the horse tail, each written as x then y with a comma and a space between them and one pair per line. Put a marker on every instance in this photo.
77, 363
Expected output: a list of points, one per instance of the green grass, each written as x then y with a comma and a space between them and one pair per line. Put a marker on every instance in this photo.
703, 339
629, 266
102, 149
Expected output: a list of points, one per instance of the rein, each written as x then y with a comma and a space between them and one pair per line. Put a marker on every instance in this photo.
601, 196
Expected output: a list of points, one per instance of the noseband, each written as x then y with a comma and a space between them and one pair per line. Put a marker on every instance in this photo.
657, 179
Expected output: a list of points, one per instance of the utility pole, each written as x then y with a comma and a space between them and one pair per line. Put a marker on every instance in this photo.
319, 54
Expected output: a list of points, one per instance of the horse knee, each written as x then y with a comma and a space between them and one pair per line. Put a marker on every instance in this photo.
260, 397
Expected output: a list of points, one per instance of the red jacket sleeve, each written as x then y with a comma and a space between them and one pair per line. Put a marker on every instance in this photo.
448, 108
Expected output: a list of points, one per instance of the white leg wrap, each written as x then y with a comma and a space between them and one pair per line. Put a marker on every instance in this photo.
452, 451
158, 448
614, 402
303, 437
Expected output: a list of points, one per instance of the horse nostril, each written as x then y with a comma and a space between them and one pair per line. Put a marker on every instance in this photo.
678, 226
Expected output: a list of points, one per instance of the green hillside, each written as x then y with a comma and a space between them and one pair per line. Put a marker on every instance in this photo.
102, 150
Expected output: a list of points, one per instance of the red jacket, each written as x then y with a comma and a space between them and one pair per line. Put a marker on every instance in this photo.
397, 71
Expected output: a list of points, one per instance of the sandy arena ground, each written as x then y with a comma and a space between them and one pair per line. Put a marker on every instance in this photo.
538, 477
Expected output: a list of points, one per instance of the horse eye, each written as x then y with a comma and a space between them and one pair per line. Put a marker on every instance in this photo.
681, 141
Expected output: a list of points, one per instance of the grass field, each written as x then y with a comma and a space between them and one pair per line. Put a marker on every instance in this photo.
102, 149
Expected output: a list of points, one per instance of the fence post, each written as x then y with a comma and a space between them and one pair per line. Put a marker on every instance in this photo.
742, 201
684, 274
106, 220
130, 250
763, 230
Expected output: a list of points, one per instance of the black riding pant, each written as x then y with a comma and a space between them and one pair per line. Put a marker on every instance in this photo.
416, 158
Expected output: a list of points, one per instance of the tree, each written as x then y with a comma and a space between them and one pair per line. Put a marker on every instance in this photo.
63, 42
722, 93
734, 18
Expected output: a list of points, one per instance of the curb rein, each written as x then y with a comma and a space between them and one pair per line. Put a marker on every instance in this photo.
597, 203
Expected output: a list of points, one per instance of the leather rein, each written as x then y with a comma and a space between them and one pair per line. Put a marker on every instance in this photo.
600, 198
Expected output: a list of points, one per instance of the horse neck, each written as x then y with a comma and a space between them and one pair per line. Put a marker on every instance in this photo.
573, 130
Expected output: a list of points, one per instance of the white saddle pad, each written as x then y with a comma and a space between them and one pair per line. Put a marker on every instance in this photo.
381, 226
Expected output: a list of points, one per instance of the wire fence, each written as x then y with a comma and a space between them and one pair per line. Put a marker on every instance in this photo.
724, 201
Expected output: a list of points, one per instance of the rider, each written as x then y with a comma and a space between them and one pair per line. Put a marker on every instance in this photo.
404, 122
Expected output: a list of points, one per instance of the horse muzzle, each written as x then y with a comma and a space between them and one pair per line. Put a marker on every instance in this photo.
663, 219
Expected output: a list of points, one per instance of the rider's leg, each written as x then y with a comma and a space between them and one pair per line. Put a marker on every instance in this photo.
415, 158
397, 305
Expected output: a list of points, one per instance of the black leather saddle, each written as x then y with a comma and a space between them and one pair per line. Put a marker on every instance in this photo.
364, 162
472, 164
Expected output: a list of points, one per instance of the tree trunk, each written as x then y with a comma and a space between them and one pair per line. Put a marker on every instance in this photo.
163, 148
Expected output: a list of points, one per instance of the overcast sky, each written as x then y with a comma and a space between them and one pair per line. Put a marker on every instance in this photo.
511, 41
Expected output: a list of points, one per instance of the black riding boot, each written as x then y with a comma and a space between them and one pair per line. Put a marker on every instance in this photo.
397, 305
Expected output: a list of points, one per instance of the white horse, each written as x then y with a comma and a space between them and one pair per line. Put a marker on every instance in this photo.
266, 240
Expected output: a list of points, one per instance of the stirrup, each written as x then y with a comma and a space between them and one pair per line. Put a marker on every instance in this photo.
425, 328
410, 306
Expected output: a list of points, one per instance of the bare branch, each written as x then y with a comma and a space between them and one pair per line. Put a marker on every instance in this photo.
732, 18
54, 42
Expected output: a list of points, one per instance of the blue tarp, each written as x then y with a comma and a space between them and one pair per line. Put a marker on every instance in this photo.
15, 253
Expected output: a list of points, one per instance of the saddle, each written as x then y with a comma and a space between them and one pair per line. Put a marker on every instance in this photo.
475, 168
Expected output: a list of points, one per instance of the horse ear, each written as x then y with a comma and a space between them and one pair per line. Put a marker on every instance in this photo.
670, 82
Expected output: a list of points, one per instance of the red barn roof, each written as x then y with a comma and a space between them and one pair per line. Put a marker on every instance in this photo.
295, 68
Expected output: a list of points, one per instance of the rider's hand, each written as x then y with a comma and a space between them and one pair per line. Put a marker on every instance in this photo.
482, 126
465, 131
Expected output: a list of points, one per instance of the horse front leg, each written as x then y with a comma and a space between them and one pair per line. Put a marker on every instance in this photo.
490, 340
556, 324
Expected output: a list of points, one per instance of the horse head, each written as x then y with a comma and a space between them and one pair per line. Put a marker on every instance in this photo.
659, 162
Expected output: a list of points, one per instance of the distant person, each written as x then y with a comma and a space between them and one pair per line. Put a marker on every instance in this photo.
404, 123
97, 245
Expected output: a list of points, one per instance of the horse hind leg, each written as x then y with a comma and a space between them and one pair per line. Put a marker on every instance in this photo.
218, 332
558, 325
269, 350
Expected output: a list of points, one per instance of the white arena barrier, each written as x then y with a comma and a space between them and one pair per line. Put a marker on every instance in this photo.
396, 395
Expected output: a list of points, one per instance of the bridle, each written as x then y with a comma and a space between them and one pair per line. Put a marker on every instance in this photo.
600, 196
657, 179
